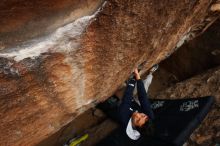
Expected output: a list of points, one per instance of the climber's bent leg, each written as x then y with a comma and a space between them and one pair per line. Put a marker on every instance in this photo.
148, 81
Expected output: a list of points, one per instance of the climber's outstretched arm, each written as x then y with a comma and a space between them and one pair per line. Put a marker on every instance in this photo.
143, 98
124, 108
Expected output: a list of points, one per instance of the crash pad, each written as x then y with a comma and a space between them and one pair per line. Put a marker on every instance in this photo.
174, 122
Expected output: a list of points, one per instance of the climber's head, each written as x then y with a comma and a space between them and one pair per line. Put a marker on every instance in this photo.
139, 119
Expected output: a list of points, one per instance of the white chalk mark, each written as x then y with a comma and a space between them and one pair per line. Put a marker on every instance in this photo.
64, 39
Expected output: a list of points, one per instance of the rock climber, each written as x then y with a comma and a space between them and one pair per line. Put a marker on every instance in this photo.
134, 114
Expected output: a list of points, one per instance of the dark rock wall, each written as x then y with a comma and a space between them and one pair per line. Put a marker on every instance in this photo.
196, 56
193, 58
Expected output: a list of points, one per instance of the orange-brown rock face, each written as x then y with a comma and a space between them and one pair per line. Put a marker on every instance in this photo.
57, 58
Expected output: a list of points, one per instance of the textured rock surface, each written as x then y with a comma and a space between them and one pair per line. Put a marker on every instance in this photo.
202, 85
81, 62
22, 20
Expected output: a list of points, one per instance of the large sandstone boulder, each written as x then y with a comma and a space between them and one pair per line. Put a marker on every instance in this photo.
59, 57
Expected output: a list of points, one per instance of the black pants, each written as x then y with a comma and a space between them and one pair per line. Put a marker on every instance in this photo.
110, 108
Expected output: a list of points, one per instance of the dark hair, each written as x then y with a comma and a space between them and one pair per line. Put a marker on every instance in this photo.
147, 129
